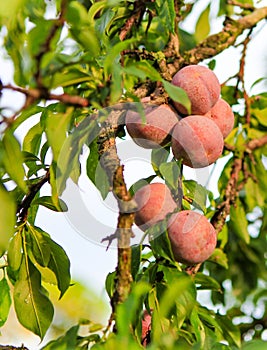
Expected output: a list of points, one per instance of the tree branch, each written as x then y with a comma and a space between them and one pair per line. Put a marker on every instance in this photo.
38, 94
24, 206
217, 43
111, 163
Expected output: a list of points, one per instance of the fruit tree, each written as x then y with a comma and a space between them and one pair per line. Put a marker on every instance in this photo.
173, 78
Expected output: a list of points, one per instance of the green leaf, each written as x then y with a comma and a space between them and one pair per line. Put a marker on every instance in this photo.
180, 294
203, 25
47, 202
5, 301
230, 331
197, 193
110, 283
207, 282
171, 14
50, 254
198, 327
33, 308
143, 70
69, 77
219, 257
59, 263
112, 57
177, 94
7, 218
37, 37
159, 241
14, 255
32, 140
140, 183
102, 181
56, 127
254, 345
65, 342
12, 159
128, 312
136, 259
158, 156
170, 171
85, 133
92, 161
40, 247
238, 222
81, 29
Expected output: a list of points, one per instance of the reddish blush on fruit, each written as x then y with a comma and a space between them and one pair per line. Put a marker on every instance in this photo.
202, 87
222, 114
193, 238
155, 130
197, 141
146, 328
154, 202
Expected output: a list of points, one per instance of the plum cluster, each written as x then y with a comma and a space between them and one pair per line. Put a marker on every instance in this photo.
196, 139
192, 237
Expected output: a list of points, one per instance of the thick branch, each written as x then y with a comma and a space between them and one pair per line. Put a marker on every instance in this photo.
111, 163
217, 43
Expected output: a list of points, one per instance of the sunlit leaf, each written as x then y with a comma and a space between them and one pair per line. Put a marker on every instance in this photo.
66, 341
203, 25
12, 159
33, 308
47, 202
7, 218
5, 301
177, 94
238, 222
14, 256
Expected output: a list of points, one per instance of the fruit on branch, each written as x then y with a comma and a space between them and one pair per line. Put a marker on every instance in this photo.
154, 202
154, 129
146, 329
222, 114
192, 237
202, 87
197, 141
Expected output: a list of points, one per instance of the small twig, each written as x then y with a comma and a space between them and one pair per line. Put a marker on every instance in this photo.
244, 6
46, 46
240, 77
24, 206
139, 9
38, 94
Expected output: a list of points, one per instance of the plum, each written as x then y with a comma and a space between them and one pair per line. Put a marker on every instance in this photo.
154, 131
154, 202
193, 238
222, 114
202, 87
197, 141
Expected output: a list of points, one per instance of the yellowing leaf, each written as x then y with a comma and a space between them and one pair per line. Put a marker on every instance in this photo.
203, 25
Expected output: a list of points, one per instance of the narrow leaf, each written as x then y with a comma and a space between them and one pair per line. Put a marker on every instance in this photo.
14, 255
12, 159
203, 25
7, 218
5, 301
177, 94
47, 202
33, 308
